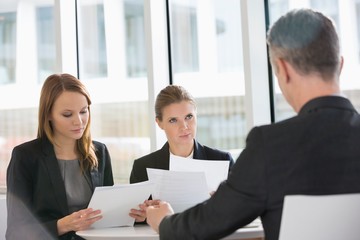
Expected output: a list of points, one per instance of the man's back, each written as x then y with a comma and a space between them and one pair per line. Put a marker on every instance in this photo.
315, 153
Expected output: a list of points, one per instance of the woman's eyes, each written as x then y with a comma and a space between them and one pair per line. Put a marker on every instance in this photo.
188, 117
67, 115
172, 120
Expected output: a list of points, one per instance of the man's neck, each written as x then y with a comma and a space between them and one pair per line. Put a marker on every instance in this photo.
310, 87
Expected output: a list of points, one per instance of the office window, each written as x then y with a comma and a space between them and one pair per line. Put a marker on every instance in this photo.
135, 38
27, 55
207, 60
184, 37
112, 63
330, 7
91, 32
346, 19
45, 42
277, 7
7, 47
357, 13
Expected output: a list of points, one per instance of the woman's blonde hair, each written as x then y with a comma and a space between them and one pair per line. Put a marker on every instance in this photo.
53, 86
171, 94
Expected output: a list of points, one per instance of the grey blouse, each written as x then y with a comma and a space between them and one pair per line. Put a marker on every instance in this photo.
78, 188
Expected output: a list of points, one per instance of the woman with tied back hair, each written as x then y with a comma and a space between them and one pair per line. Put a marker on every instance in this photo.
50, 179
175, 111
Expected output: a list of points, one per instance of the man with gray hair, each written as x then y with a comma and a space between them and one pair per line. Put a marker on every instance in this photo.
313, 153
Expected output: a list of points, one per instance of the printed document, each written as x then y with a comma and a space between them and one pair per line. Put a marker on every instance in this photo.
215, 171
181, 189
116, 201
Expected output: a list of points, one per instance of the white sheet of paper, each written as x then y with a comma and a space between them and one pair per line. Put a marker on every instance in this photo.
181, 189
116, 201
216, 171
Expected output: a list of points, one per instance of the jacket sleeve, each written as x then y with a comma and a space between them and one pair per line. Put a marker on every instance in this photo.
21, 220
237, 202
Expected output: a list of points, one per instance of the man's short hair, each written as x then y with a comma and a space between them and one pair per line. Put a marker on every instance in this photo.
307, 39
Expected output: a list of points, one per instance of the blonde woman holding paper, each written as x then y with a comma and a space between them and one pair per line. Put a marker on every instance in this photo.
175, 111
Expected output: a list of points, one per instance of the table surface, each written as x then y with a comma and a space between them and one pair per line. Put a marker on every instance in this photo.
141, 232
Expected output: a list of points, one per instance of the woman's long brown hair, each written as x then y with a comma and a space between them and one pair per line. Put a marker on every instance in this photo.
53, 86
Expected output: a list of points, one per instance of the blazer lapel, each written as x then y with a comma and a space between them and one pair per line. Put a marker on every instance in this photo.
162, 160
199, 152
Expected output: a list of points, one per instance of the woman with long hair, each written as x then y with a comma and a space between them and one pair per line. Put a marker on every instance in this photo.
50, 179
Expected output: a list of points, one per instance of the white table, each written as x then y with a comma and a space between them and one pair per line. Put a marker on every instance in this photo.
144, 232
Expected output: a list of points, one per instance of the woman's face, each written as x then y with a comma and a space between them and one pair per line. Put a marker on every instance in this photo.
179, 123
69, 116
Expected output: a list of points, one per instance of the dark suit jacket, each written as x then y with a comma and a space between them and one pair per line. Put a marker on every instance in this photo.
36, 197
160, 160
314, 153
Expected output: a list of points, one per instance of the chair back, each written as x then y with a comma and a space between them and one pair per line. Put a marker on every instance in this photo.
328, 217
3, 217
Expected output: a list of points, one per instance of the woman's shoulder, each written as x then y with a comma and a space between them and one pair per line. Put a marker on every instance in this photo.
27, 152
98, 145
149, 157
29, 145
100, 149
162, 153
208, 149
213, 153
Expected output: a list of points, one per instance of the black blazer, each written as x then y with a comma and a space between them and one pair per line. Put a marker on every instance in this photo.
36, 197
314, 153
160, 160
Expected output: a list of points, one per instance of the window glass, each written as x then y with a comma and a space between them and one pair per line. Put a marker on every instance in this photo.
112, 64
26, 30
92, 38
357, 12
7, 47
207, 60
46, 50
346, 17
184, 37
135, 38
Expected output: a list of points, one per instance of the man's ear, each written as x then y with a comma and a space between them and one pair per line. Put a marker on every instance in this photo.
341, 64
282, 69
159, 123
